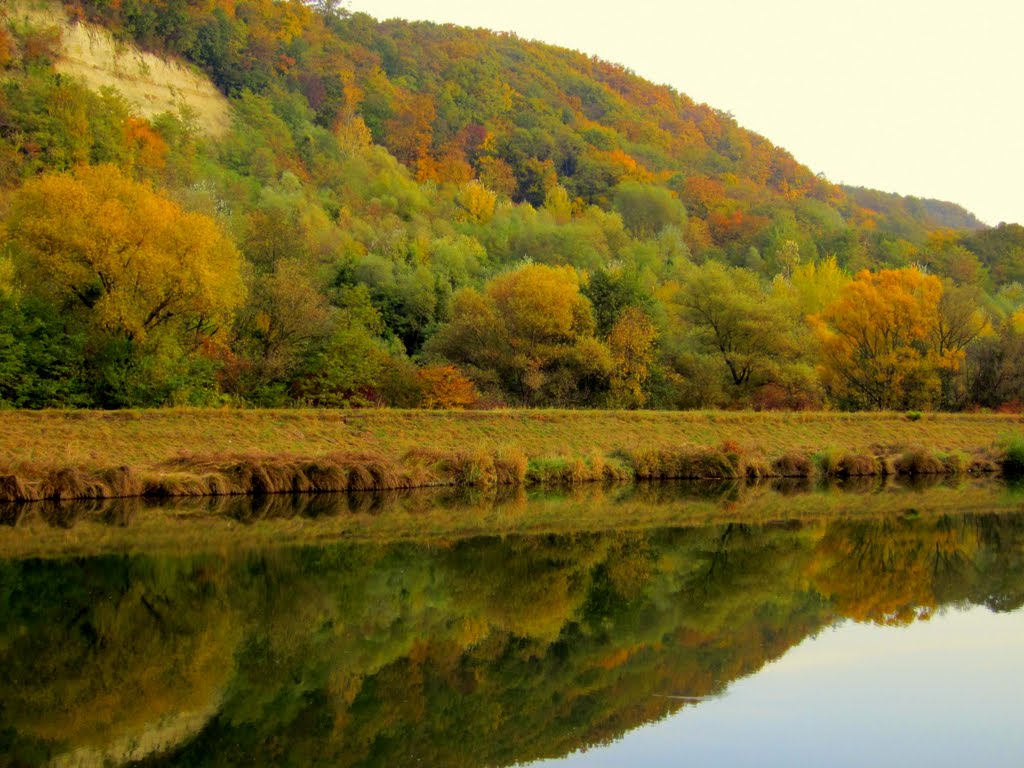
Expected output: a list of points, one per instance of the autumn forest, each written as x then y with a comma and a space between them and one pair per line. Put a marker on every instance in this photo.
416, 215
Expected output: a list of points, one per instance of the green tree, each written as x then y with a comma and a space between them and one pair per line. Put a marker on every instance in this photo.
731, 318
647, 209
348, 367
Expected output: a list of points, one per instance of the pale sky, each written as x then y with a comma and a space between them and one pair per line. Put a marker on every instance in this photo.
911, 96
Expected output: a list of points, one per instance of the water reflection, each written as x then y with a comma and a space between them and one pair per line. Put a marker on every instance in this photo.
458, 652
942, 692
747, 496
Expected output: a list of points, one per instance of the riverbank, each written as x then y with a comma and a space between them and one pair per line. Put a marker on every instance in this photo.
222, 524
90, 454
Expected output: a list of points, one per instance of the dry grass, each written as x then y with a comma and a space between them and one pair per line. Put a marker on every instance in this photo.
792, 465
684, 464
55, 454
920, 462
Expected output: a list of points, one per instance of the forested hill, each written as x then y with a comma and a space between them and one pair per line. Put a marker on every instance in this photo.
417, 214
453, 104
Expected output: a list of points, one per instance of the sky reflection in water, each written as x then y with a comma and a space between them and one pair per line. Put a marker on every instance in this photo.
942, 692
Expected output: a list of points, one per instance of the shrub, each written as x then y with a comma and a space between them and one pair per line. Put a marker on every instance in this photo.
1013, 456
834, 464
684, 464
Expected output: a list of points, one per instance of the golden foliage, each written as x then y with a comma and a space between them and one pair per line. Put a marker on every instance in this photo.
149, 148
132, 259
632, 345
477, 201
6, 47
876, 340
541, 303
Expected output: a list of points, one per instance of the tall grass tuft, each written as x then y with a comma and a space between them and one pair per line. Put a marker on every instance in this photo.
792, 465
918, 461
553, 470
685, 464
73, 483
834, 464
615, 471
471, 469
12, 488
510, 465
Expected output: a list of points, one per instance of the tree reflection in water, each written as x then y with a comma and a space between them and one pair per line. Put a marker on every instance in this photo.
481, 651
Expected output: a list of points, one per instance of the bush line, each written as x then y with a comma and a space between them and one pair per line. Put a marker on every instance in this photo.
254, 475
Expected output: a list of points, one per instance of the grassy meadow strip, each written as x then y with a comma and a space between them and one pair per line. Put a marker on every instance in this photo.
61, 455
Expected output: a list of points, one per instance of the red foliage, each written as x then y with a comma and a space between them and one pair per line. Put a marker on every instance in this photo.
1014, 406
726, 228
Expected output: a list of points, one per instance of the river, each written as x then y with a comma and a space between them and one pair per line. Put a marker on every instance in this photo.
668, 625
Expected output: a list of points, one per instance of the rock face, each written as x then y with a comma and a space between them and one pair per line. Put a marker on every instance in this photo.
152, 84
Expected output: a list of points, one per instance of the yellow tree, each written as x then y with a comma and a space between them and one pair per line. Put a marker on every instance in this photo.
632, 345
811, 286
531, 333
130, 259
877, 341
541, 304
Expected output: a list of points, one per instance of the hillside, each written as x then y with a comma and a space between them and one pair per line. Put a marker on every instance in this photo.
421, 215
524, 117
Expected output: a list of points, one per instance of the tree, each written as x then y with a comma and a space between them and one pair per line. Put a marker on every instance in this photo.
811, 286
960, 321
329, 10
646, 209
286, 320
530, 334
348, 367
612, 292
541, 305
877, 341
734, 319
632, 345
444, 386
150, 288
129, 260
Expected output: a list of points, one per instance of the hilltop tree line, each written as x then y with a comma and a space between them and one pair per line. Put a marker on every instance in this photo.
424, 216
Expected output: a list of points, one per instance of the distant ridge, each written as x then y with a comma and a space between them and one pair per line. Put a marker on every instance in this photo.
934, 214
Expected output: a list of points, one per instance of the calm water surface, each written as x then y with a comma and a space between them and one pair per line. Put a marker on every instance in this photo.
889, 639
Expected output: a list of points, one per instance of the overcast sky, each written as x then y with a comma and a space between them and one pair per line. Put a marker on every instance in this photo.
921, 98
